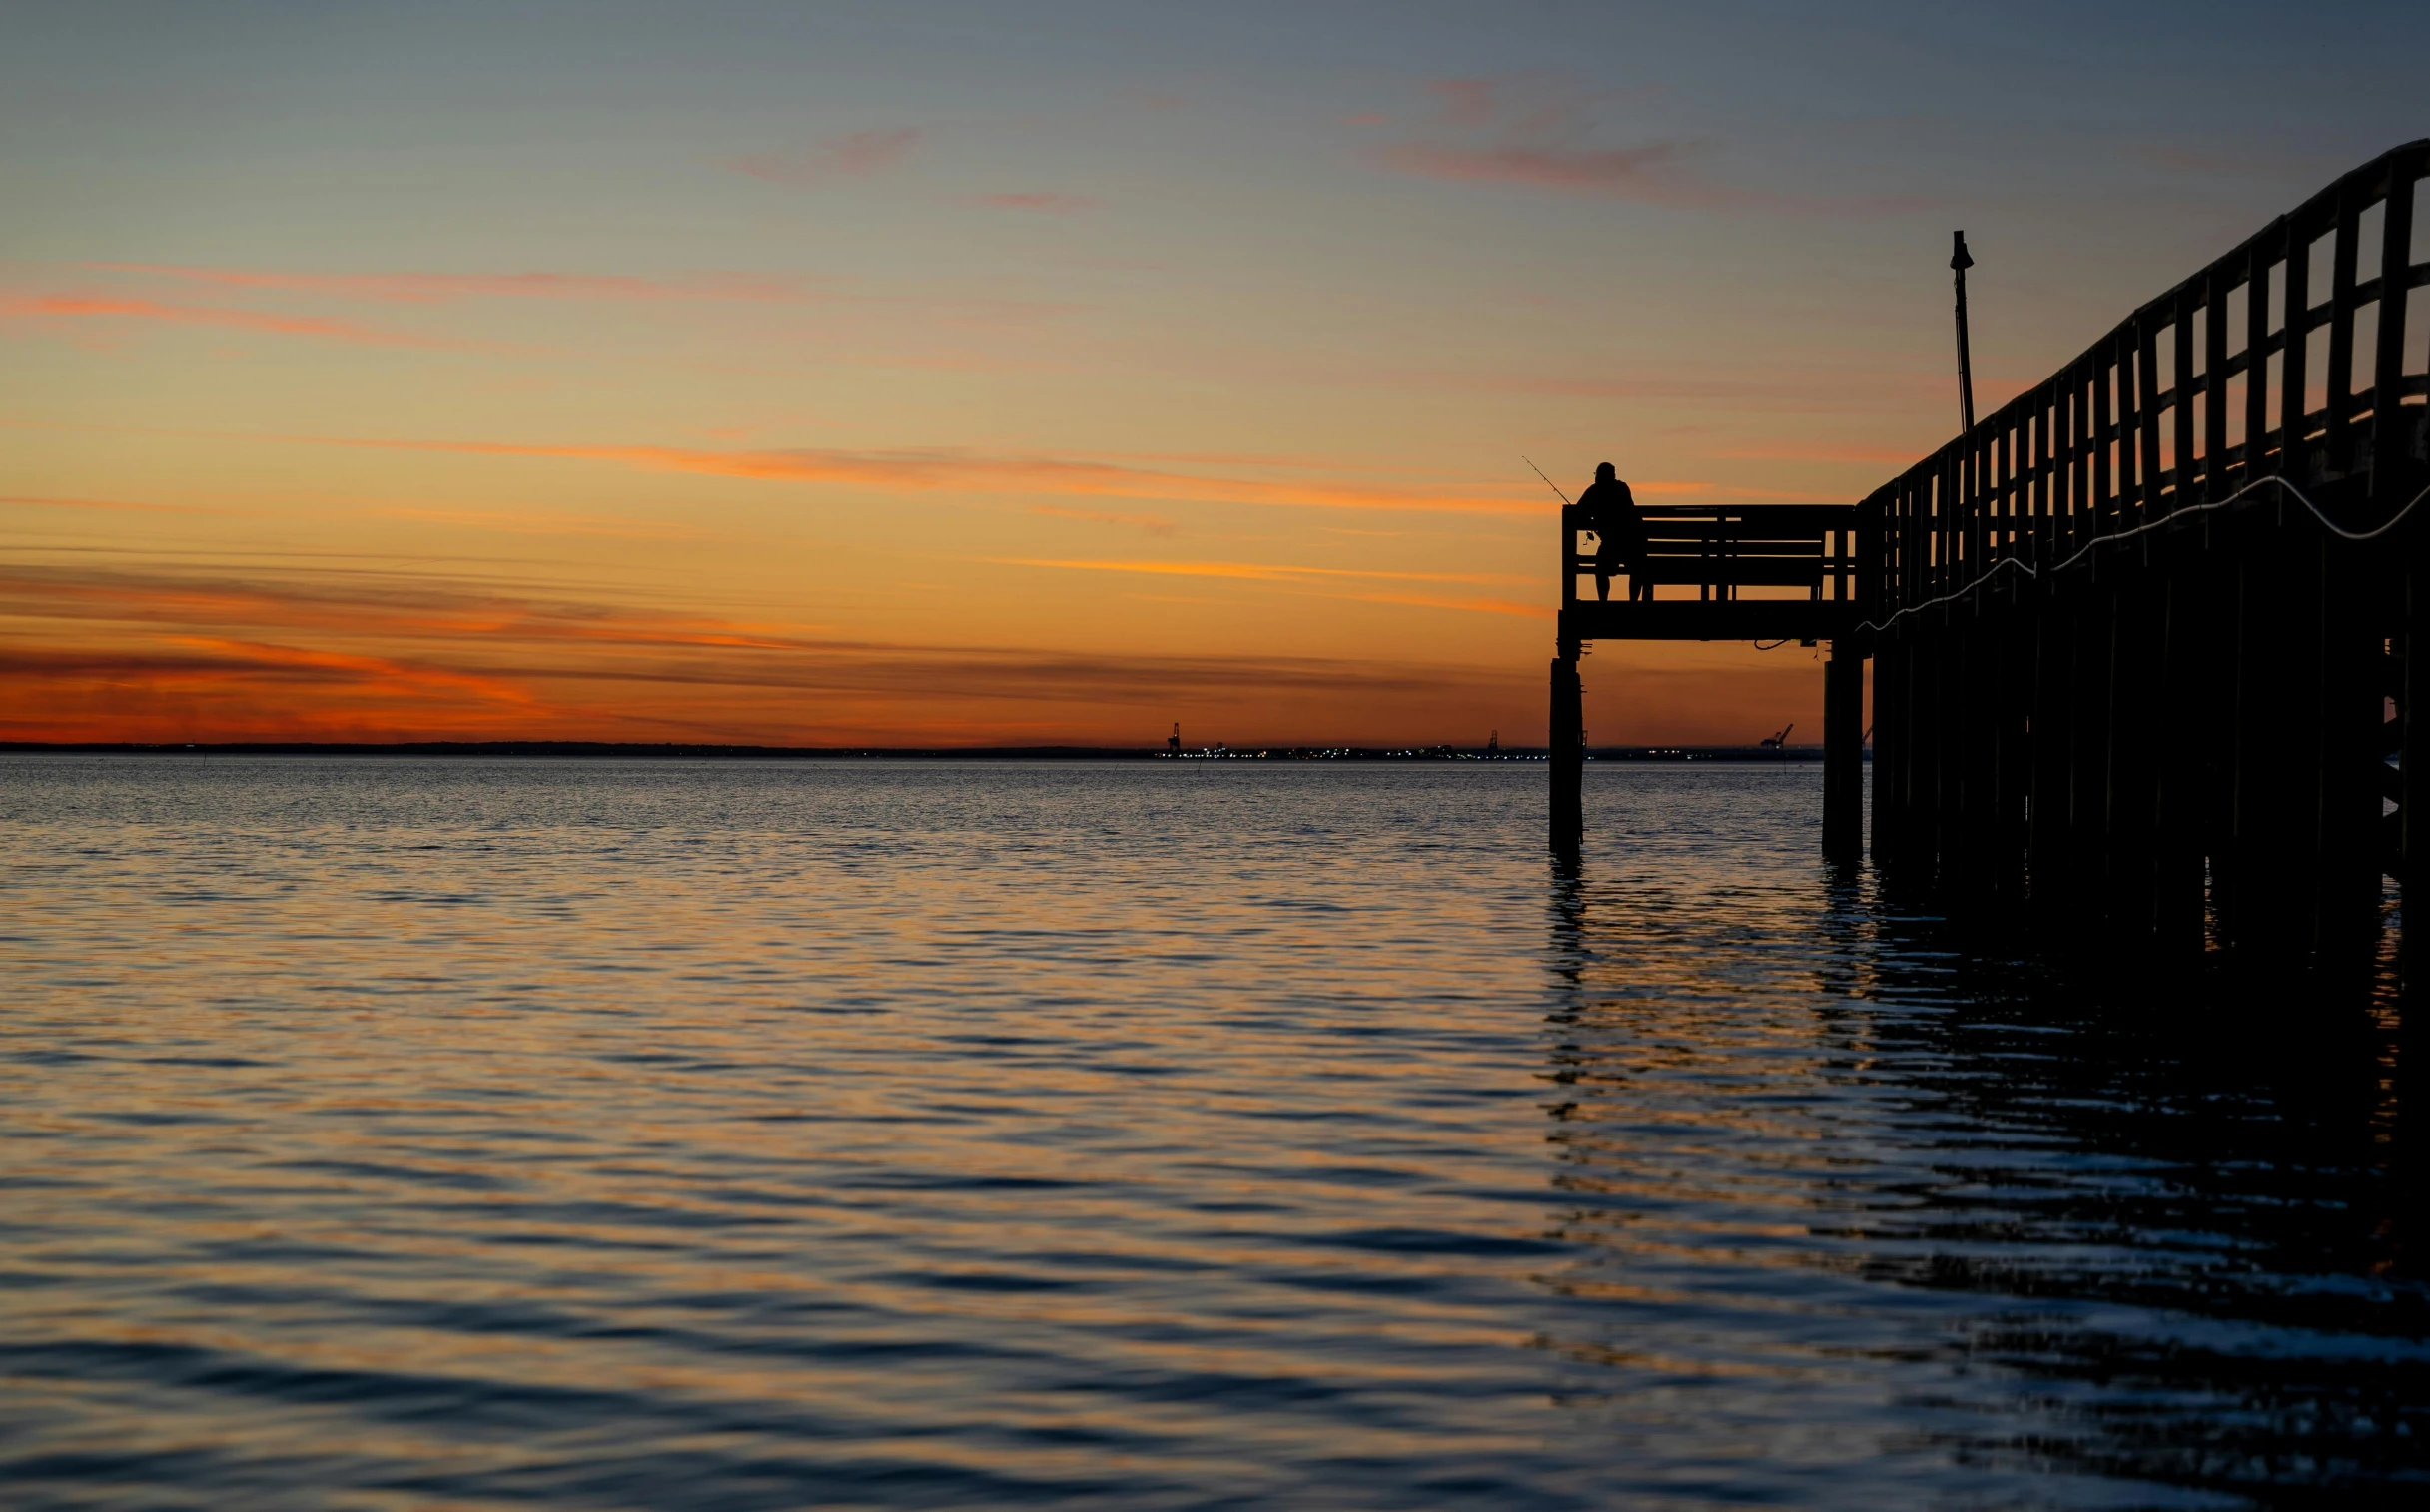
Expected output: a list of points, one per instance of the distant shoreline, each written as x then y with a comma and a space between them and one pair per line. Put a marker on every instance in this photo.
610, 750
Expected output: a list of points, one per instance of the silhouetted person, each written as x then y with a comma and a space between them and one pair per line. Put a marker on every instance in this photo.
1610, 510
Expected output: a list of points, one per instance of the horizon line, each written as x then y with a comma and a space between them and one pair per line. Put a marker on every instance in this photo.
682, 750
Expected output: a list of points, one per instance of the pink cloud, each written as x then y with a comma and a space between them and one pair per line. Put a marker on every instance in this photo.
1628, 172
1463, 102
87, 306
430, 288
1538, 132
1052, 202
859, 155
1650, 175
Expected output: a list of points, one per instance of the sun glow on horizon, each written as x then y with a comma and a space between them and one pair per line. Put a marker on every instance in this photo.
605, 382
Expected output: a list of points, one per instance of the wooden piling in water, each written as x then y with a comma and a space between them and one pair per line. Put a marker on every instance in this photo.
1889, 747
1844, 753
1568, 750
2143, 646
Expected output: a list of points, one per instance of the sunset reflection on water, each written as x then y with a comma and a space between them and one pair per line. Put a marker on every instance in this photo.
755, 1134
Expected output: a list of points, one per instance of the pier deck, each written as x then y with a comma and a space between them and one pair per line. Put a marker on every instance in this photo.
2151, 643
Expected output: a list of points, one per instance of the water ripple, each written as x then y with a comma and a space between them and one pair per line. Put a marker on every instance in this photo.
396, 1134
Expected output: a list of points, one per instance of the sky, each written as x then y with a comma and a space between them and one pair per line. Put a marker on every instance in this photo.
1014, 374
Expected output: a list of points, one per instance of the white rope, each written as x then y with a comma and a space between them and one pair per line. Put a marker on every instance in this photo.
2029, 570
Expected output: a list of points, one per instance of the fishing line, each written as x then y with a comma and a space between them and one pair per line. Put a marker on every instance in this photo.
1548, 483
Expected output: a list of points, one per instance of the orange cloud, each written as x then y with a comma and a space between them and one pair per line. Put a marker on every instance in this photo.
1262, 572
387, 604
967, 471
549, 523
379, 670
190, 687
1822, 451
1153, 524
169, 655
1255, 571
85, 306
859, 155
1468, 605
108, 503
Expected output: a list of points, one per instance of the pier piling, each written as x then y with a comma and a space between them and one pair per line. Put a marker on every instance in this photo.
2150, 644
1568, 750
1843, 754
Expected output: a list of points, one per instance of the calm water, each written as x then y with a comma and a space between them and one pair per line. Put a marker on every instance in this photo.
394, 1133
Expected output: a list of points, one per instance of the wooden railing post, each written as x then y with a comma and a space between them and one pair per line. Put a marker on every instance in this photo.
2190, 666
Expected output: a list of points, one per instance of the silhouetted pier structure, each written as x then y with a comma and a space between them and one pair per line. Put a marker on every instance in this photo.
2143, 636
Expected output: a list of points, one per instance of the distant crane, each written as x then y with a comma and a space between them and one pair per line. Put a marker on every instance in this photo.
1173, 742
1779, 740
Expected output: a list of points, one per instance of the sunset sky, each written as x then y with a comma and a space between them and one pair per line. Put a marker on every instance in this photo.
931, 374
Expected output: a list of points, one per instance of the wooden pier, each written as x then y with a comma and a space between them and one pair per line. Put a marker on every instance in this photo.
2142, 638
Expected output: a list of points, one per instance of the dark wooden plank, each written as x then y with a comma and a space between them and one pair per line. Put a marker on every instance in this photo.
2147, 497
2293, 376
2079, 461
2393, 474
2047, 716
1889, 747
1844, 753
2337, 443
2104, 451
2214, 390
2182, 411
1718, 619
2259, 258
1566, 737
2180, 769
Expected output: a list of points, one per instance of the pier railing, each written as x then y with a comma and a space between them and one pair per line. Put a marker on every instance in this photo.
2288, 359
1719, 549
2147, 635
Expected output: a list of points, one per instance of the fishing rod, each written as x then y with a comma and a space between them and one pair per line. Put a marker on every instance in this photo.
1548, 483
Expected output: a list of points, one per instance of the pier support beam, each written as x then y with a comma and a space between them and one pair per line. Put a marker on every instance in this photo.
2413, 768
1844, 755
1568, 743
